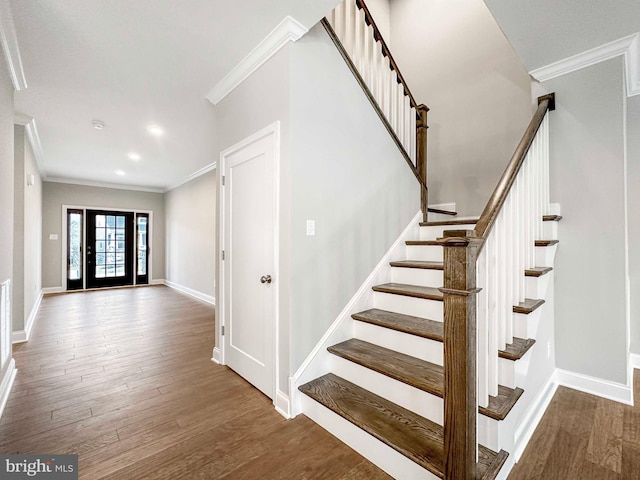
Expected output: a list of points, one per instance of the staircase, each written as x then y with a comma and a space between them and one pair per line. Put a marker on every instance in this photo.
432, 379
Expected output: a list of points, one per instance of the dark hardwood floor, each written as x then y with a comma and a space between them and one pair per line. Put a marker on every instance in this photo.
124, 378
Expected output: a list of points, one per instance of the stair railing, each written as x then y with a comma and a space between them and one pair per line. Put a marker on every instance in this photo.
358, 39
483, 280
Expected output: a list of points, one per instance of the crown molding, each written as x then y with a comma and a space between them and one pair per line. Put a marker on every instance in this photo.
628, 47
288, 30
91, 183
193, 176
9, 41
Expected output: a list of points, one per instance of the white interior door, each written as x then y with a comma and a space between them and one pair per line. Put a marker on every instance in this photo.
249, 263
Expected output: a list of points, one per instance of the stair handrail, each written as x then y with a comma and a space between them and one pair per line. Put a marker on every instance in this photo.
409, 133
496, 201
462, 344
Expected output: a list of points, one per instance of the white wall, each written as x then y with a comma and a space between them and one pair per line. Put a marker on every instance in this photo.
587, 179
456, 60
191, 234
27, 268
348, 176
54, 195
633, 186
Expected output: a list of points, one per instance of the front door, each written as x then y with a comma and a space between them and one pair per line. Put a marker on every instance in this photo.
249, 215
109, 252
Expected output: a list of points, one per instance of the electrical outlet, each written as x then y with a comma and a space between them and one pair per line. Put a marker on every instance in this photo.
311, 228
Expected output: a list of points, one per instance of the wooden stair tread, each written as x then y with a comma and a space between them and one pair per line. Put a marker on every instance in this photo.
546, 243
418, 373
417, 291
537, 271
421, 327
415, 437
432, 329
551, 218
418, 264
528, 306
423, 242
461, 221
516, 350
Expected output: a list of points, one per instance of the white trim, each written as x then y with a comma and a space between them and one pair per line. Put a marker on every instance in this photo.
9, 41
51, 290
189, 291
23, 335
117, 186
531, 418
617, 392
634, 360
6, 384
216, 356
157, 281
193, 176
36, 146
288, 30
380, 270
629, 47
282, 404
449, 206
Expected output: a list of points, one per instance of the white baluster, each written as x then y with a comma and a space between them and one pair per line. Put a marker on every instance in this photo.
412, 134
400, 113
349, 27
510, 277
493, 315
358, 33
369, 59
484, 354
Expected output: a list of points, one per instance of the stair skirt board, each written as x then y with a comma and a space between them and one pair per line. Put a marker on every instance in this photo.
418, 307
377, 452
341, 329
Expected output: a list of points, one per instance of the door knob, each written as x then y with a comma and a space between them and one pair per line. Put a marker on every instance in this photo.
265, 279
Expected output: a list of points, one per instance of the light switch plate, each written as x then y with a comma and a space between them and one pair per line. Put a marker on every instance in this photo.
311, 228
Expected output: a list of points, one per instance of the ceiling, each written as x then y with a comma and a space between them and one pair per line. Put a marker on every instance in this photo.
131, 64
546, 31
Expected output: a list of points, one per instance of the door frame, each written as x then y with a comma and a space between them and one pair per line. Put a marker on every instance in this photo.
219, 350
63, 242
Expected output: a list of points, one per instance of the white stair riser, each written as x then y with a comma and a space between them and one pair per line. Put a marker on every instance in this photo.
418, 307
417, 276
526, 325
545, 255
377, 452
488, 432
420, 402
536, 287
550, 230
507, 372
419, 347
427, 253
435, 232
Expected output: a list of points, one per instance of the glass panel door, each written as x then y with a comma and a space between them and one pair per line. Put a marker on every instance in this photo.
142, 248
74, 249
109, 248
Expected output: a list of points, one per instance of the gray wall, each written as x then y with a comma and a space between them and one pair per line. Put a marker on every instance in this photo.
54, 195
457, 61
633, 185
6, 179
260, 100
27, 268
587, 179
191, 234
348, 176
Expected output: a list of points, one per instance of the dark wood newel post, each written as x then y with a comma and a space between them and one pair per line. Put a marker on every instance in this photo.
421, 157
460, 410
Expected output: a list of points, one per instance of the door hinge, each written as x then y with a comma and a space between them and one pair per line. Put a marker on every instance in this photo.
222, 333
223, 180
222, 254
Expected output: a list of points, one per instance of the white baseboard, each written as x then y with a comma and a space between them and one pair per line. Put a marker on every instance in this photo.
189, 291
21, 336
533, 415
157, 281
6, 384
49, 290
617, 392
217, 355
282, 404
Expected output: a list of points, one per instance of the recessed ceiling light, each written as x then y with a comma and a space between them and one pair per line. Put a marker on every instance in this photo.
134, 156
120, 172
155, 130
98, 124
